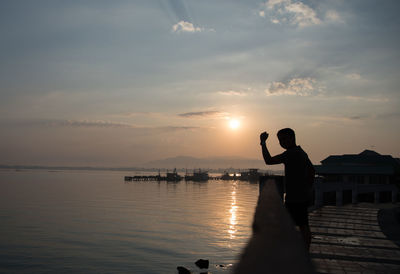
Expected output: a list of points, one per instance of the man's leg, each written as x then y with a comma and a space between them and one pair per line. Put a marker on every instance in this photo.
306, 233
299, 214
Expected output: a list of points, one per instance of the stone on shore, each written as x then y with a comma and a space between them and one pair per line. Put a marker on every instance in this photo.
202, 263
183, 270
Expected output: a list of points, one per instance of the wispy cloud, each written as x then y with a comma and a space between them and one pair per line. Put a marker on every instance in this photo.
352, 119
232, 93
367, 99
333, 16
317, 121
177, 128
204, 114
296, 86
89, 124
68, 123
353, 76
295, 13
183, 26
140, 114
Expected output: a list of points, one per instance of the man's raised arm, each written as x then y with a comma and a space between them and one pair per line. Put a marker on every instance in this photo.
269, 160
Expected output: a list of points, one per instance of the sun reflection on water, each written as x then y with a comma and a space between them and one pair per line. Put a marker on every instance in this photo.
233, 213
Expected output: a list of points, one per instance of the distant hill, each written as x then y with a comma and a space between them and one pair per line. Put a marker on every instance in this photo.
205, 163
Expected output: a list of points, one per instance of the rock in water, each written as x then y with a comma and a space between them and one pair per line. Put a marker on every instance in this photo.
183, 270
202, 263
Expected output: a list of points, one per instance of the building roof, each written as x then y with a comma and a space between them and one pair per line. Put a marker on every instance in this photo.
367, 157
367, 162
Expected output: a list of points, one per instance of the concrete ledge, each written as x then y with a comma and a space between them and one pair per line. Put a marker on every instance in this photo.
275, 246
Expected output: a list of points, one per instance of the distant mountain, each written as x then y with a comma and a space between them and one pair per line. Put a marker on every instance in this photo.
205, 163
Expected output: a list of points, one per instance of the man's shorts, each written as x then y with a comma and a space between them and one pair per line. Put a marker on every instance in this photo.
298, 212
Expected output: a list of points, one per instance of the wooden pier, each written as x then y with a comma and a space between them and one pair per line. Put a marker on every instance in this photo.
197, 176
168, 179
145, 178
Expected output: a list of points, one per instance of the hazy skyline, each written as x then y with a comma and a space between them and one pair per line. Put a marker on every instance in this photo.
120, 83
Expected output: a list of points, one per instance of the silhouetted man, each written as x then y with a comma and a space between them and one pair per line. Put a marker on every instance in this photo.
299, 176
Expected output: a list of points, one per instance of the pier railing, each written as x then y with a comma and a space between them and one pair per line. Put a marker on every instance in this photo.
275, 245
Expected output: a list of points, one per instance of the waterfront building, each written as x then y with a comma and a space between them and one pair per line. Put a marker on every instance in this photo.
368, 176
368, 167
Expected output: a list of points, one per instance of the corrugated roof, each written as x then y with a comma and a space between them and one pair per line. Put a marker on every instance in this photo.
366, 158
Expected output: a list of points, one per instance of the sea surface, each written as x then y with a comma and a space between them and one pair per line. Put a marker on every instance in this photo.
94, 222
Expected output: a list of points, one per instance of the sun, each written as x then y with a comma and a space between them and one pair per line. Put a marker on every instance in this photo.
234, 124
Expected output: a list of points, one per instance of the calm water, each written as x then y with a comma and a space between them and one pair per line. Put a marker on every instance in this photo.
94, 222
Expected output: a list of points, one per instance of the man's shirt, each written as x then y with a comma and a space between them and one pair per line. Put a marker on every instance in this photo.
299, 173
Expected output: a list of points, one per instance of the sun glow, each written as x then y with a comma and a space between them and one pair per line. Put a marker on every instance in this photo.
234, 124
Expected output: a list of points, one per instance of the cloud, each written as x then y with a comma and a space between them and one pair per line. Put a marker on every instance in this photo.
140, 114
355, 117
88, 124
296, 86
232, 93
205, 114
353, 76
341, 118
367, 99
338, 120
333, 16
295, 13
389, 115
351, 119
275, 21
69, 123
183, 26
178, 128
272, 3
303, 15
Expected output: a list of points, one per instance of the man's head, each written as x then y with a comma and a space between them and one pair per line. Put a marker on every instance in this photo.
287, 138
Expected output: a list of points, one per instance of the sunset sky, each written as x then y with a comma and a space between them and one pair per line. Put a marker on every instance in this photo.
120, 83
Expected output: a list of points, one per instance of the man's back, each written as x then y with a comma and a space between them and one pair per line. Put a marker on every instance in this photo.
297, 177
